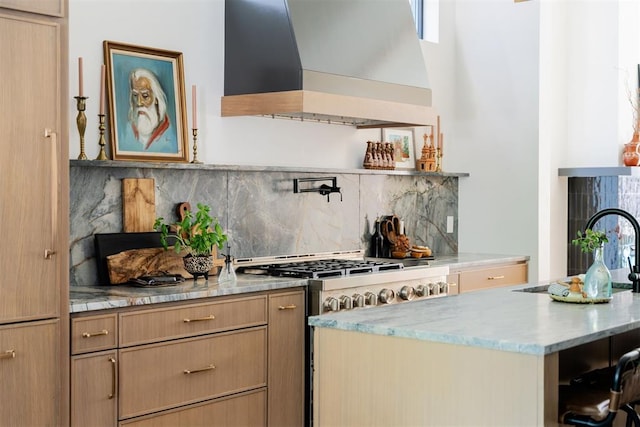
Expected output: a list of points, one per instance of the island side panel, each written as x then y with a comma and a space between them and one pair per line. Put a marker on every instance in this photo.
375, 380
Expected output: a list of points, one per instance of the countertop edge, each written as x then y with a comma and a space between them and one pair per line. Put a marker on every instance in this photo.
99, 297
435, 325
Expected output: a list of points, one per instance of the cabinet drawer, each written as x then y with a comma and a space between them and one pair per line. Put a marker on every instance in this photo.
94, 333
494, 277
162, 376
244, 410
147, 326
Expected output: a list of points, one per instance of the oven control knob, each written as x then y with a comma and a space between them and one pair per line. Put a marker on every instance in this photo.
345, 302
422, 290
386, 296
358, 300
444, 287
370, 298
435, 288
407, 293
331, 304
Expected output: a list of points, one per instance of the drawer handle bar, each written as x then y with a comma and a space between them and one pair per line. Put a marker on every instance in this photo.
193, 371
9, 354
495, 277
95, 334
287, 307
113, 378
211, 317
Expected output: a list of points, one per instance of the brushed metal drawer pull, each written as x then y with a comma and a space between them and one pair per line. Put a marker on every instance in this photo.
287, 307
9, 354
113, 378
193, 371
211, 317
495, 277
95, 334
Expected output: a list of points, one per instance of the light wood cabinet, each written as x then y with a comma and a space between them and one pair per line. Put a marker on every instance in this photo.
94, 389
44, 7
494, 276
236, 360
165, 375
286, 359
140, 327
94, 333
34, 210
29, 366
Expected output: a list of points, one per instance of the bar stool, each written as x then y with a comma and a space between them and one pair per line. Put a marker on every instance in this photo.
594, 400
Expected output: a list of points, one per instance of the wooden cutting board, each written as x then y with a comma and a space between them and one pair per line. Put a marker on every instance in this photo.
138, 204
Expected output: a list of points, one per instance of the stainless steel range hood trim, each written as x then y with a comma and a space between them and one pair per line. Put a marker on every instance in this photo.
331, 108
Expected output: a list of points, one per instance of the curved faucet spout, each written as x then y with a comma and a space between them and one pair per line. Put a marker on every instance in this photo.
634, 274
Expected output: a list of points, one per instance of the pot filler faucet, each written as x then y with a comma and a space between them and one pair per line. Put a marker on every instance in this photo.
634, 273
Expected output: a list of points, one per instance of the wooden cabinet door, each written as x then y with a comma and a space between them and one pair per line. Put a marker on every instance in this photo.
29, 366
286, 392
94, 390
30, 168
45, 7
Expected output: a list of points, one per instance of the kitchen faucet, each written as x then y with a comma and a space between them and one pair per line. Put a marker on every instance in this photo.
634, 274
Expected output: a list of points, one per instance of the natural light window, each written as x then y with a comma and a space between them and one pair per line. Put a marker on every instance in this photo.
426, 15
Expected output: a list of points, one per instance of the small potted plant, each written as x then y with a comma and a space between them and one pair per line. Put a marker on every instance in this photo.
597, 281
198, 235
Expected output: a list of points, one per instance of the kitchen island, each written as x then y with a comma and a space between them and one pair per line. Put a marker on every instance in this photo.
492, 358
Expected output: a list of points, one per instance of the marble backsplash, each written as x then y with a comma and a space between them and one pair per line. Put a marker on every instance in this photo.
260, 211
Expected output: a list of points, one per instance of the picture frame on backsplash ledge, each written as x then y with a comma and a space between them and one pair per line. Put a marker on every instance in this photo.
404, 151
147, 112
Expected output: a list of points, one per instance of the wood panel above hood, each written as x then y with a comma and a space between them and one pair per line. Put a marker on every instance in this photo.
329, 108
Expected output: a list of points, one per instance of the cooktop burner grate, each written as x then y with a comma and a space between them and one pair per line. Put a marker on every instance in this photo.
320, 269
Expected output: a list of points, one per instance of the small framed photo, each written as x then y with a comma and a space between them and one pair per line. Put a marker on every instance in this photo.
402, 140
147, 113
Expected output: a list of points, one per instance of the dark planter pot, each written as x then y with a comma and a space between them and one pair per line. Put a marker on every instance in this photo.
198, 265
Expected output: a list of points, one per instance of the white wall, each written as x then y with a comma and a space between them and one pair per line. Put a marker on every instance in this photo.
196, 28
496, 126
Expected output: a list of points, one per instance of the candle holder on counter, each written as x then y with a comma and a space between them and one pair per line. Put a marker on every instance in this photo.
81, 121
102, 155
195, 147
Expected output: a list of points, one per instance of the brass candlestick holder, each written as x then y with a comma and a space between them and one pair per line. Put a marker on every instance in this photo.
195, 146
81, 121
102, 155
438, 159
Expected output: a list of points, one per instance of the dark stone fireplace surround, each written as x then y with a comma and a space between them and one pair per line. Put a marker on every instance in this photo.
588, 195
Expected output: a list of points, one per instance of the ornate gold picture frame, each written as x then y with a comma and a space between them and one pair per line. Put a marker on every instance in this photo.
147, 113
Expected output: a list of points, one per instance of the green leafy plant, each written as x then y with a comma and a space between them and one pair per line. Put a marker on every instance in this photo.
590, 240
195, 234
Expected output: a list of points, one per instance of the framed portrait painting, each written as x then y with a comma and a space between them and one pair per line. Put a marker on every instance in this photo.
147, 114
404, 151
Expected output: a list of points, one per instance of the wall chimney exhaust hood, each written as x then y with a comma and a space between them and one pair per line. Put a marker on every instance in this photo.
352, 62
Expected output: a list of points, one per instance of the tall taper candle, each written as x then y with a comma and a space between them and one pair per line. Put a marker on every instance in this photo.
80, 82
194, 109
102, 81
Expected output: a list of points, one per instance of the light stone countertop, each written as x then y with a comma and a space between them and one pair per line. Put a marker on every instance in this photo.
91, 298
504, 319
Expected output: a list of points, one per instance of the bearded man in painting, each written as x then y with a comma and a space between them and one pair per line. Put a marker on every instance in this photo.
148, 107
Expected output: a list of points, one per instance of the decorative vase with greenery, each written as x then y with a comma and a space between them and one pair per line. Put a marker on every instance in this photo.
198, 235
597, 281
